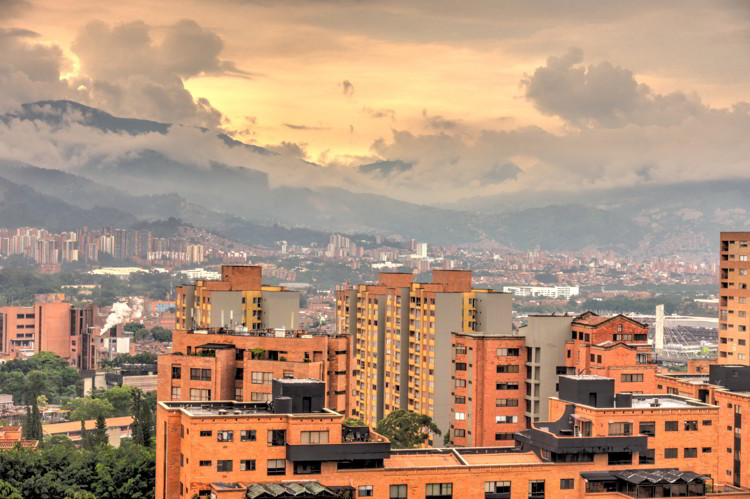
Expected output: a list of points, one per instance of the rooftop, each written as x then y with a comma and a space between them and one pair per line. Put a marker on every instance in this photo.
664, 402
234, 409
584, 376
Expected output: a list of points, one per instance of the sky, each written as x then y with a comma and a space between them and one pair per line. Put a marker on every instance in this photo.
439, 100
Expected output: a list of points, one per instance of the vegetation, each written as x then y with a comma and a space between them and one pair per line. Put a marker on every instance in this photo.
140, 332
407, 430
353, 422
44, 374
58, 469
121, 360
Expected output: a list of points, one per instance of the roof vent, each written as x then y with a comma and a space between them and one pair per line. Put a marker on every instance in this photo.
222, 412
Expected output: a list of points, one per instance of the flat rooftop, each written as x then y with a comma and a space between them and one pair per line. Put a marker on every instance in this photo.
584, 376
459, 456
234, 409
664, 402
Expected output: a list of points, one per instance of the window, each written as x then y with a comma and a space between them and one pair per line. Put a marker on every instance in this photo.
199, 394
460, 366
460, 399
314, 437
247, 435
460, 383
240, 353
261, 378
224, 465
260, 397
276, 438
458, 432
498, 489
503, 436
617, 429
204, 463
438, 490
691, 425
707, 422
566, 483
506, 386
200, 374
707, 450
670, 426
690, 452
175, 393
506, 419
631, 378
176, 372
507, 352
239, 373
460, 416
460, 350
397, 492
206, 433
647, 428
364, 491
670, 453
647, 457
307, 468
536, 489
618, 458
238, 393
508, 369
224, 436
506, 402
247, 465
276, 467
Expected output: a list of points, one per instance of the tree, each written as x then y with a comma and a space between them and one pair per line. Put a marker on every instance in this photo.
407, 430
142, 427
100, 433
90, 408
7, 491
161, 334
32, 428
118, 396
79, 494
85, 437
353, 422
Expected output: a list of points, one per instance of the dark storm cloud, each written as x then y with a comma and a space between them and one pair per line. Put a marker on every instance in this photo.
603, 94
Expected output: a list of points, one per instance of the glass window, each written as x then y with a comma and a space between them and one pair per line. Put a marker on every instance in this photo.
691, 425
670, 426
504, 369
247, 465
691, 452
438, 490
175, 393
276, 438
307, 468
206, 433
224, 436
397, 492
204, 463
276, 467
536, 489
647, 428
247, 435
670, 453
261, 378
566, 483
364, 491
314, 437
500, 490
617, 429
224, 465
176, 372
199, 394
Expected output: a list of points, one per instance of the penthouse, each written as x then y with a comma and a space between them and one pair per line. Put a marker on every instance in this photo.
293, 447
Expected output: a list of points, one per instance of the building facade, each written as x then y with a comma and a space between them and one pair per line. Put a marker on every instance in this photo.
734, 292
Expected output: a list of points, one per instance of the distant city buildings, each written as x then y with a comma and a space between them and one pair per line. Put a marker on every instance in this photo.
554, 292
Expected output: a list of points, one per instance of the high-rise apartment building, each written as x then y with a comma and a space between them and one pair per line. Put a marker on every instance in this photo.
238, 300
734, 293
402, 330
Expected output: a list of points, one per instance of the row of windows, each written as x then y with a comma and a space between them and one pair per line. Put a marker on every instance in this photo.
649, 427
444, 490
275, 437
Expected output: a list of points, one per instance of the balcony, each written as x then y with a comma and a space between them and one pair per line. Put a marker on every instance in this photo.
358, 443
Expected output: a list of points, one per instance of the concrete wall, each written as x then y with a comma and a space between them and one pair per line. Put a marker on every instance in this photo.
548, 334
280, 309
226, 308
494, 313
448, 319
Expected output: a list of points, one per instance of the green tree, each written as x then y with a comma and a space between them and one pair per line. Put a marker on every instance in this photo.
353, 422
143, 421
118, 396
161, 334
7, 491
32, 427
85, 437
89, 408
407, 430
79, 494
100, 433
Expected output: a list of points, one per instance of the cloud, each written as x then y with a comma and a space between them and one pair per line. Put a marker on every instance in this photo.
11, 8
385, 168
380, 113
292, 126
438, 122
347, 88
289, 149
603, 95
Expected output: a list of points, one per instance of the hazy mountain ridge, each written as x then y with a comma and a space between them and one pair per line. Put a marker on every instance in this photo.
239, 199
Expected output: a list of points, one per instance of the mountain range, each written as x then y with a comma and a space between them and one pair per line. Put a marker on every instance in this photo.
239, 202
